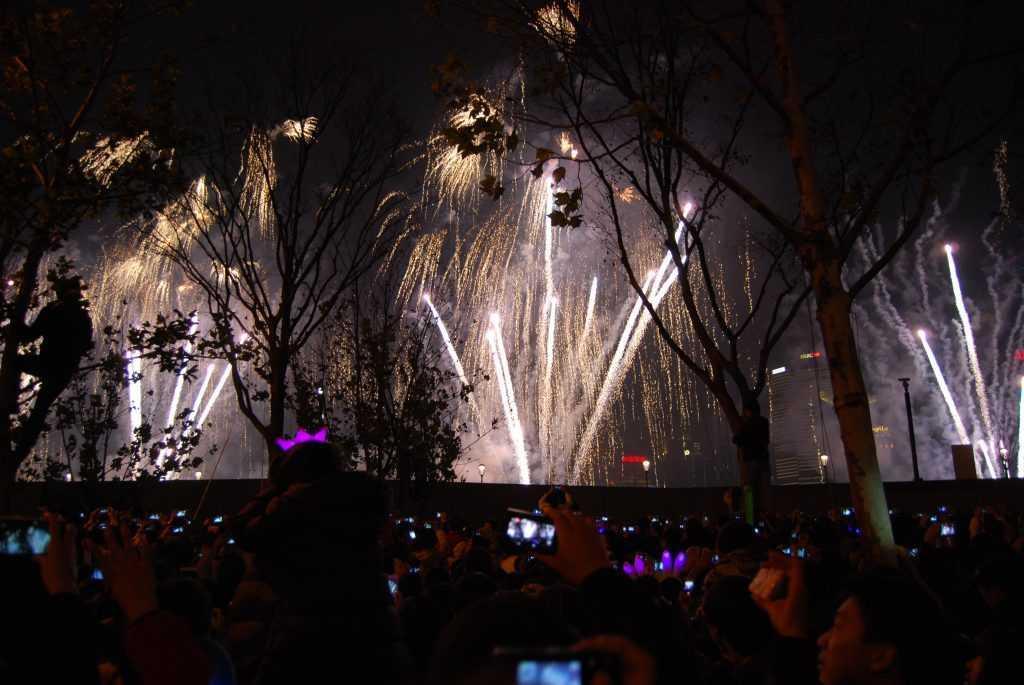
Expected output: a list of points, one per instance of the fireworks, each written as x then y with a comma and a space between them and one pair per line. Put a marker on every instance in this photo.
954, 413
967, 354
1020, 432
975, 365
557, 21
297, 130
501, 368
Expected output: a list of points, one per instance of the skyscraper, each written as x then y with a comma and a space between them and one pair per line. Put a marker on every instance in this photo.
799, 435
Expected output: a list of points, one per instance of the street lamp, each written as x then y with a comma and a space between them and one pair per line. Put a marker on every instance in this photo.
647, 467
483, 470
910, 427
824, 467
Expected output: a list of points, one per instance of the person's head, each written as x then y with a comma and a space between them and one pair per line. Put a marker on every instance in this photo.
735, 623
733, 536
997, 581
888, 630
69, 288
306, 462
188, 599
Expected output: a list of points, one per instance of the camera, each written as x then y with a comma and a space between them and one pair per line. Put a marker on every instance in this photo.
218, 520
557, 666
948, 530
530, 532
23, 537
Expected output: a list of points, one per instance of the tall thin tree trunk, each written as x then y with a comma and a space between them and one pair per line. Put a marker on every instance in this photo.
821, 260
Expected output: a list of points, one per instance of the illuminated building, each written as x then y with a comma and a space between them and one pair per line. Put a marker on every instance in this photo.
796, 393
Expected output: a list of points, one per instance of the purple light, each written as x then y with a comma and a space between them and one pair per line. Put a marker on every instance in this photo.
680, 563
627, 568
666, 561
300, 437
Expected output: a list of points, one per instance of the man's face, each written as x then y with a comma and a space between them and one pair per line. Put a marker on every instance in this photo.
845, 657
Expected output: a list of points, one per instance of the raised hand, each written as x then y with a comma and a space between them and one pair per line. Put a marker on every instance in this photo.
57, 567
788, 614
128, 570
581, 549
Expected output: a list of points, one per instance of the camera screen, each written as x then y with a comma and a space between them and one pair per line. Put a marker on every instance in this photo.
532, 672
948, 529
531, 533
22, 538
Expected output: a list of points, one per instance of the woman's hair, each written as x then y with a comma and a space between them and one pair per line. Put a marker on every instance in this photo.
304, 463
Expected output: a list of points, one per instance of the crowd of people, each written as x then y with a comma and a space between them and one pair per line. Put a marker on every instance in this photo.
315, 581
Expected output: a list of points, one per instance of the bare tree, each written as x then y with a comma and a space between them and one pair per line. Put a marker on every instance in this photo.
78, 142
292, 208
710, 96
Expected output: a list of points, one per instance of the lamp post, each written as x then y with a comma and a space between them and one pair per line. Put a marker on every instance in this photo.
647, 467
483, 470
824, 467
910, 426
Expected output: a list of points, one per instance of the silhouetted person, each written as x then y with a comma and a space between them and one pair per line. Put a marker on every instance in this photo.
66, 331
753, 439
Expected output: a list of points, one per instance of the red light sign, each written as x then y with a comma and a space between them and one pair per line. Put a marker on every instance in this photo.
633, 459
1019, 355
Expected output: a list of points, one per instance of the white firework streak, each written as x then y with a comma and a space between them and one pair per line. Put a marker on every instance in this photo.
216, 393
972, 358
659, 286
605, 393
1020, 432
515, 429
453, 355
134, 392
548, 331
172, 411
549, 363
591, 301
179, 382
199, 395
961, 431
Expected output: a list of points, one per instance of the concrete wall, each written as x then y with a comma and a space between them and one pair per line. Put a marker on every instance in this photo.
478, 501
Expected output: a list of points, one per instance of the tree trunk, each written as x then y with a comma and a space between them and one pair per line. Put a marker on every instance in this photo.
10, 370
855, 427
820, 259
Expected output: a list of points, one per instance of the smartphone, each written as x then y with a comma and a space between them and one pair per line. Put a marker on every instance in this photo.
528, 531
218, 520
788, 551
659, 567
153, 517
23, 537
688, 586
556, 666
231, 541
801, 552
915, 553
178, 530
412, 535
392, 586
933, 518
714, 559
97, 574
847, 511
948, 530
